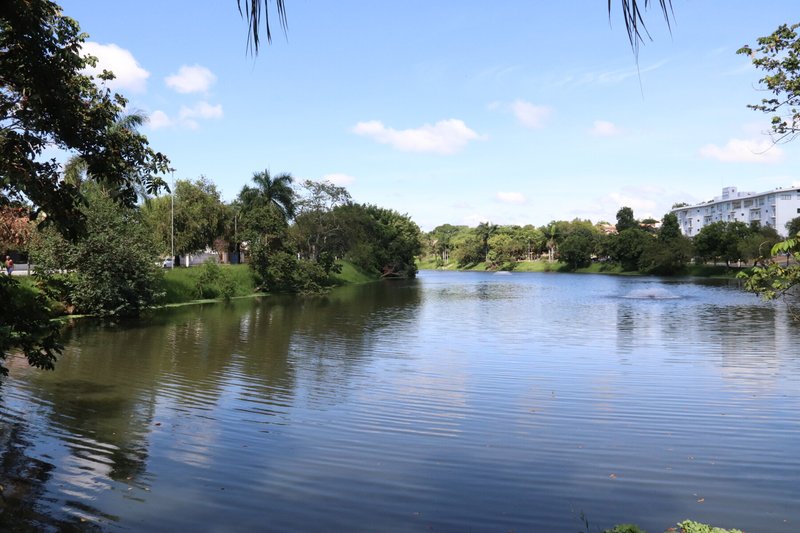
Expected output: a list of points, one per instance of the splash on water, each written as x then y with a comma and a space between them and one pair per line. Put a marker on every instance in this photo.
653, 293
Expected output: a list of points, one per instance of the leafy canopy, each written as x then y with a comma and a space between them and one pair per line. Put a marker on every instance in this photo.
47, 101
778, 55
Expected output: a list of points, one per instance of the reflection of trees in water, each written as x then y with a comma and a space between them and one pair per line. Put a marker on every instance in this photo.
101, 402
329, 337
748, 342
23, 486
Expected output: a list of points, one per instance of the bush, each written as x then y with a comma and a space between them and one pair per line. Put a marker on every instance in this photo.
625, 528
113, 269
688, 526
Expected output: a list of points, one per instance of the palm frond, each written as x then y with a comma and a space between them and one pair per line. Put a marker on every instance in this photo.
632, 14
253, 12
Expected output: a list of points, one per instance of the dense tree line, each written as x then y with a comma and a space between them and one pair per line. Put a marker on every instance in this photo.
647, 246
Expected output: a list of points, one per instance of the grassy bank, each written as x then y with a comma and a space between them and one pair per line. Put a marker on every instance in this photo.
182, 285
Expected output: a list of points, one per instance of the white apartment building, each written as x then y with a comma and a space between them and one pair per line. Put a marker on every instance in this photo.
772, 208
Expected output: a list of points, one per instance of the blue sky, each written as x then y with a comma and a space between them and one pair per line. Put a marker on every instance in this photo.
455, 111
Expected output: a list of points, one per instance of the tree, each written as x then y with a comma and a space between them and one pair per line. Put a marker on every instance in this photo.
757, 245
113, 270
793, 227
577, 249
627, 246
275, 191
774, 280
484, 231
317, 231
47, 102
778, 55
670, 228
442, 240
76, 168
669, 253
381, 241
503, 251
721, 240
551, 234
625, 219
198, 219
467, 249
15, 227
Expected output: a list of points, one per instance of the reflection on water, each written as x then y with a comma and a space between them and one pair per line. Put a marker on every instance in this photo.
452, 402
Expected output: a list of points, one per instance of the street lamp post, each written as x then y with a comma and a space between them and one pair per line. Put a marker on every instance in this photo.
172, 221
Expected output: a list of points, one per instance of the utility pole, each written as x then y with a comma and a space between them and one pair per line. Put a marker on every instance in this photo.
172, 221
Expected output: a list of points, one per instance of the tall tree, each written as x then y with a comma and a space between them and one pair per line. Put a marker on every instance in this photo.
197, 219
317, 230
46, 101
625, 220
269, 191
112, 268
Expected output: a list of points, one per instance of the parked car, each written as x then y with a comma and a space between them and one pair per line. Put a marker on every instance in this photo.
168, 262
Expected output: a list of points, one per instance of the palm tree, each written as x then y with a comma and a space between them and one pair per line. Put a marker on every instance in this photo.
268, 191
632, 15
551, 232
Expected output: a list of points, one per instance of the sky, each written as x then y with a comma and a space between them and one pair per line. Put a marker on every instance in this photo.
455, 111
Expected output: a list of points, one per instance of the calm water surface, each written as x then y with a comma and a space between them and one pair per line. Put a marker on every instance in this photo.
456, 402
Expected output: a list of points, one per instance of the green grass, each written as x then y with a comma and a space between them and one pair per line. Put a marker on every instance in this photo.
350, 275
603, 268
537, 266
180, 284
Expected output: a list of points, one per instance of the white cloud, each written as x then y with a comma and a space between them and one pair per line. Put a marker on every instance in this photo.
603, 128
159, 119
511, 197
606, 77
201, 110
530, 115
339, 179
444, 137
744, 151
187, 116
194, 79
129, 75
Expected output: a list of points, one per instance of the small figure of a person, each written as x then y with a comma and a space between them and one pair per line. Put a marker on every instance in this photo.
9, 265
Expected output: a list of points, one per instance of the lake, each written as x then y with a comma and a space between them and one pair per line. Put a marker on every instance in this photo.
454, 402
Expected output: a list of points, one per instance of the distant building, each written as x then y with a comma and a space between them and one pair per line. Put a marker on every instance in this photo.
772, 208
608, 229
